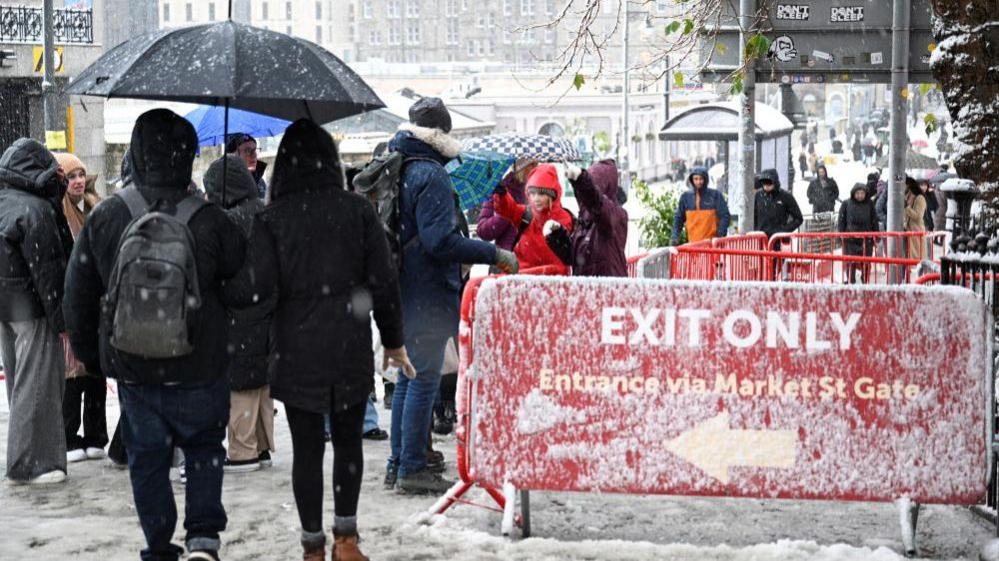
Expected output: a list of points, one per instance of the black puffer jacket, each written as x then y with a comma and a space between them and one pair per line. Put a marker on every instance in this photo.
823, 197
324, 251
162, 152
35, 240
249, 329
857, 216
776, 211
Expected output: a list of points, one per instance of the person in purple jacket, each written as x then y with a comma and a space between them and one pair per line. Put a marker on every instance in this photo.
596, 246
492, 227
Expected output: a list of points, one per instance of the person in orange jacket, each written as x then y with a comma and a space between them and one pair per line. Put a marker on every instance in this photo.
542, 214
702, 211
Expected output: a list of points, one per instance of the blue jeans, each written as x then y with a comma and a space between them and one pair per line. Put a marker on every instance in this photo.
412, 405
157, 418
370, 416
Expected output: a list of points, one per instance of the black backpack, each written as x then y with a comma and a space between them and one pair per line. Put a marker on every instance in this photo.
153, 291
381, 181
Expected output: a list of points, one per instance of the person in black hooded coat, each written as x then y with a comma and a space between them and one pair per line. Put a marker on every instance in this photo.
325, 253
35, 242
776, 210
251, 409
181, 401
857, 214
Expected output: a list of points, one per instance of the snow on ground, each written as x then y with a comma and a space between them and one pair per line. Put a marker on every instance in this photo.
92, 517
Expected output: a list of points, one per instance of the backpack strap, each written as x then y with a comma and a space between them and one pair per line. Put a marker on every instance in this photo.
188, 207
137, 204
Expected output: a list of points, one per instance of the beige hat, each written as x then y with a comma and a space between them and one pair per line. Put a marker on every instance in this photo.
69, 162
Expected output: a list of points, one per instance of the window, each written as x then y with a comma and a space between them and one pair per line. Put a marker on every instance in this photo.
413, 33
319, 10
451, 36
480, 21
491, 47
287, 30
412, 8
482, 47
366, 9
507, 7
451, 8
319, 34
394, 37
393, 9
506, 38
491, 20
211, 12
549, 35
189, 11
287, 11
527, 7
471, 48
374, 37
166, 13
263, 10
549, 7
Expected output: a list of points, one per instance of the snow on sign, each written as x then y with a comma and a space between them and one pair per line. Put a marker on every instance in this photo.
749, 390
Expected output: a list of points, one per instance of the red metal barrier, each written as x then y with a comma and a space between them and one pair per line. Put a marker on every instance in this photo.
929, 279
694, 265
463, 397
934, 244
633, 264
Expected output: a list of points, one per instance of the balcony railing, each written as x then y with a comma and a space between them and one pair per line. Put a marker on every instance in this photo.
19, 24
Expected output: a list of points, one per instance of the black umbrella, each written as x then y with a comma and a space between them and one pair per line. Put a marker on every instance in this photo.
252, 68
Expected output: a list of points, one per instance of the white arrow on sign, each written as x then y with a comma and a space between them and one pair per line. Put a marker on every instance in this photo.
714, 447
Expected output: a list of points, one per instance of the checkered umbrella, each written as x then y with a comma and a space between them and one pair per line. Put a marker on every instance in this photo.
540, 147
476, 175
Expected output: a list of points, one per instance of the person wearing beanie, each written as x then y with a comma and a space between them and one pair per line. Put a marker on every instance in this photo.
245, 146
36, 242
538, 220
91, 389
702, 211
600, 234
433, 251
181, 401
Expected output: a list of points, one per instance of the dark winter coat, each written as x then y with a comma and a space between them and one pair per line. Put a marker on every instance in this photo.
323, 251
494, 228
858, 217
162, 173
881, 205
600, 233
434, 249
35, 241
823, 197
932, 205
776, 211
258, 179
249, 329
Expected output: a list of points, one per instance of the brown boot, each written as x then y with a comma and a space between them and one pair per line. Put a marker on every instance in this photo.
318, 554
345, 549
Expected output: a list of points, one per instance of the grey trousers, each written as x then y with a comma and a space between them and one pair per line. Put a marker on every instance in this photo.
35, 372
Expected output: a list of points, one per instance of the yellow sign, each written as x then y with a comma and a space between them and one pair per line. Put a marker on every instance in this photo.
39, 63
55, 140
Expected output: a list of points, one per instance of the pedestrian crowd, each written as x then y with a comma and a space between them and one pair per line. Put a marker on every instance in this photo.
206, 303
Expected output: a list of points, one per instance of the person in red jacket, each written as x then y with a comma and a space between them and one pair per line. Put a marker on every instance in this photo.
544, 194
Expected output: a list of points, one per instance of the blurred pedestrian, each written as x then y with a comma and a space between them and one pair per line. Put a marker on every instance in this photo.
823, 191
857, 214
36, 242
601, 232
702, 212
913, 218
90, 388
245, 146
544, 193
250, 432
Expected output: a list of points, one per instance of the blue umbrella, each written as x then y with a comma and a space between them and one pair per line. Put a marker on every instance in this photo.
209, 122
476, 175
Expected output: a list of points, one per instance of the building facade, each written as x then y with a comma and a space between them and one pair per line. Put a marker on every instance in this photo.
79, 30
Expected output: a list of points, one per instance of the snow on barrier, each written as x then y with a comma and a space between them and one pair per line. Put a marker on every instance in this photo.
744, 390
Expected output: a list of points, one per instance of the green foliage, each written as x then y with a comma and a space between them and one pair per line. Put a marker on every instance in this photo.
657, 224
757, 47
678, 79
601, 142
578, 80
930, 120
673, 27
737, 85
688, 26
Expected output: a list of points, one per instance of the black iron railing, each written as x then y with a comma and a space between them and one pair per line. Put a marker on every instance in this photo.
19, 24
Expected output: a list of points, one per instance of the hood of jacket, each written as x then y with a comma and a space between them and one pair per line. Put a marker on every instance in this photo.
162, 150
545, 176
605, 177
28, 166
859, 187
698, 170
239, 184
772, 175
422, 142
307, 160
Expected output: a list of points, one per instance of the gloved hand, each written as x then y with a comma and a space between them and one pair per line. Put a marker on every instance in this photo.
674, 241
550, 227
507, 261
572, 172
397, 358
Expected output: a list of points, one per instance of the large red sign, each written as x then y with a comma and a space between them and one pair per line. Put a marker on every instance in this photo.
748, 390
